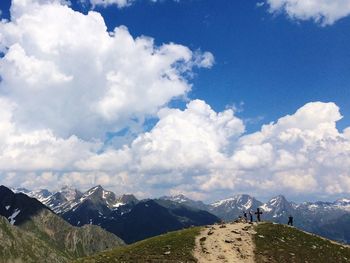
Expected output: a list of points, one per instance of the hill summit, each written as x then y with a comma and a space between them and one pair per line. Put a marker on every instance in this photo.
230, 243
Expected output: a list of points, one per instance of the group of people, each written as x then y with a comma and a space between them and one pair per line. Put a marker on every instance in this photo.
258, 214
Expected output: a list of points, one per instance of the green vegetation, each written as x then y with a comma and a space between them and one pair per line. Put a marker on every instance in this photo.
21, 246
46, 237
280, 243
171, 247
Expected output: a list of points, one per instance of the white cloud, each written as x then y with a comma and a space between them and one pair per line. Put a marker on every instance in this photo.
196, 138
325, 12
203, 153
82, 79
303, 147
66, 81
195, 151
118, 3
30, 151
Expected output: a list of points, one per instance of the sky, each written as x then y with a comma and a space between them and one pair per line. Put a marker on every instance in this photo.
160, 97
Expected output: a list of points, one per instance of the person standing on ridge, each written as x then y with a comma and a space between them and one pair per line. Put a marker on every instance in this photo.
290, 220
251, 216
245, 216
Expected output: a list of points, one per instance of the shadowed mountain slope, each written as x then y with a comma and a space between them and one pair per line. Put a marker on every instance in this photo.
28, 225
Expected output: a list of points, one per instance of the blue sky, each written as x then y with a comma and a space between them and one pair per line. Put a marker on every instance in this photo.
68, 87
270, 63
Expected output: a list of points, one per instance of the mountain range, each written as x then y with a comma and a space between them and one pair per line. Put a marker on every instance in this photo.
328, 219
126, 216
133, 219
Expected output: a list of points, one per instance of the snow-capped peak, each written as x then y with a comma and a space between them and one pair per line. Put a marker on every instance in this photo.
93, 190
277, 206
180, 198
343, 201
40, 195
277, 201
242, 201
343, 204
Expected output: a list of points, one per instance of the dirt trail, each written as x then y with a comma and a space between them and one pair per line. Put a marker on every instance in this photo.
231, 242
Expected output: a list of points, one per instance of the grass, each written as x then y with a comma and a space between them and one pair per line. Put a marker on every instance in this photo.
175, 246
279, 243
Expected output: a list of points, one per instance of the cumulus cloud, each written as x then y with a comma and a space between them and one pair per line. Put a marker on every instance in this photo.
325, 12
66, 81
197, 151
82, 79
298, 152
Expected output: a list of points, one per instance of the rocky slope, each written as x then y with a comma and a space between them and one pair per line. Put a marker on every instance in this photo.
20, 246
31, 225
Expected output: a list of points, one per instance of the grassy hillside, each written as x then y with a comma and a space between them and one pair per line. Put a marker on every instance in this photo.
74, 241
20, 246
279, 243
172, 247
48, 238
274, 243
38, 235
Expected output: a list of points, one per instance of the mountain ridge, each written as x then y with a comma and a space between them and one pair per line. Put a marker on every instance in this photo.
309, 216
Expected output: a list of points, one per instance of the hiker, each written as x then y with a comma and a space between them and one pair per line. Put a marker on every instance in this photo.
258, 213
290, 220
251, 216
245, 216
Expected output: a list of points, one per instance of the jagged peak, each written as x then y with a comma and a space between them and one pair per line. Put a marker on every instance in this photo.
179, 198
234, 199
277, 199
98, 189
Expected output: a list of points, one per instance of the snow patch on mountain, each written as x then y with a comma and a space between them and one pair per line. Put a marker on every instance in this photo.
12, 217
265, 208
